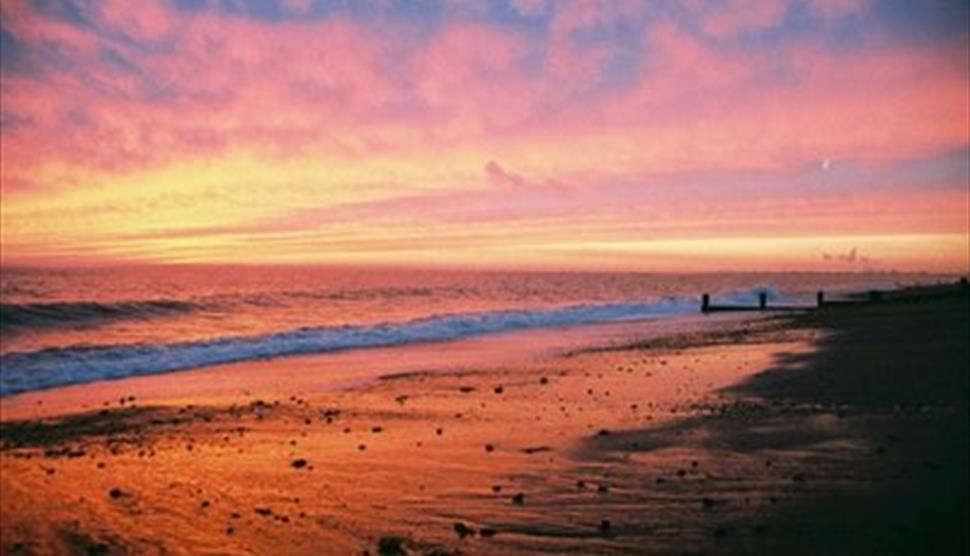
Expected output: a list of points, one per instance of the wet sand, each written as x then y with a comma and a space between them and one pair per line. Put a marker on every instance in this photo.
842, 431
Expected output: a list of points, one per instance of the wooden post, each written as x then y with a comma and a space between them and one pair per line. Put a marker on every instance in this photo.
762, 300
705, 303
820, 298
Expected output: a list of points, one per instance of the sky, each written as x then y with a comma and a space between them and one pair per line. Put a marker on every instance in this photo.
690, 135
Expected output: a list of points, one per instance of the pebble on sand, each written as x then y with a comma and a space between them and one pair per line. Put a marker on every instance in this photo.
518, 499
391, 546
605, 526
298, 463
463, 530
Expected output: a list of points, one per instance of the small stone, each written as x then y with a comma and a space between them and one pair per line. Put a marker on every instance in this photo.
298, 463
391, 546
463, 530
605, 526
518, 499
115, 493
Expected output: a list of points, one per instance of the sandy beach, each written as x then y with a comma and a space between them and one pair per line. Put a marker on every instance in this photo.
842, 431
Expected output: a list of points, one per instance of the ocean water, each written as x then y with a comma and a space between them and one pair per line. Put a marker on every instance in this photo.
69, 326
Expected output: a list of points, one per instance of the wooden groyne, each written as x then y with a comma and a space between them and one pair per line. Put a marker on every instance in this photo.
960, 288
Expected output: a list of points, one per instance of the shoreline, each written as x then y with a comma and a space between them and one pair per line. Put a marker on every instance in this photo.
711, 442
349, 368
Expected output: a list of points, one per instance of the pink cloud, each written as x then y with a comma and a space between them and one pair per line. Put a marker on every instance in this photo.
342, 87
734, 16
501, 177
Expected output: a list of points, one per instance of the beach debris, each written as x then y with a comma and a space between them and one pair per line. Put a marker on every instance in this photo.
265, 512
401, 399
115, 493
536, 449
298, 463
463, 530
518, 499
488, 532
496, 488
466, 389
392, 546
376, 430
499, 389
489, 448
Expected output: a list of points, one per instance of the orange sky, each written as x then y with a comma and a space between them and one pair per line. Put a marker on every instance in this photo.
691, 135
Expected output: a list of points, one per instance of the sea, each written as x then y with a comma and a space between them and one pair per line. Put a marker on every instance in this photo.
79, 325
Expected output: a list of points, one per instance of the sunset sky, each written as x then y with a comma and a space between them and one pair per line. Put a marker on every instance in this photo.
669, 136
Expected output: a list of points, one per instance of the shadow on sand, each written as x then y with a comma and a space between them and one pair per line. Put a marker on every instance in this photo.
870, 428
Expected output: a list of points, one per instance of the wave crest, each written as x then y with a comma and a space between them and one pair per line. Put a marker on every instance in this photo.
20, 316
